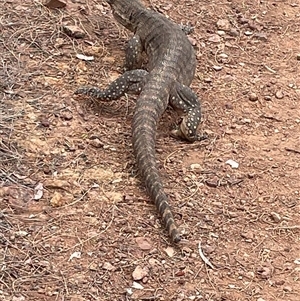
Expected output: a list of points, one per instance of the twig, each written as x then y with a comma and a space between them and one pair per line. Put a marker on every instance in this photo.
296, 151
206, 261
284, 227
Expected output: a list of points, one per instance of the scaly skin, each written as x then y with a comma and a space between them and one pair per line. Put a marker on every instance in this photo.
171, 67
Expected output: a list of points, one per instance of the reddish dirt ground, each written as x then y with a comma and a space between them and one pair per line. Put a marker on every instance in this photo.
92, 233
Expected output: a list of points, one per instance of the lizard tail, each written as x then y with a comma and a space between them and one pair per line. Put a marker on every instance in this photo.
144, 124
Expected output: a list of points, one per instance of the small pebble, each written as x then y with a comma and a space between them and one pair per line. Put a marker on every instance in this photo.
279, 95
268, 98
45, 122
244, 20
233, 32
207, 80
288, 289
276, 217
261, 36
214, 38
298, 57
253, 97
248, 33
217, 68
223, 24
221, 32
223, 55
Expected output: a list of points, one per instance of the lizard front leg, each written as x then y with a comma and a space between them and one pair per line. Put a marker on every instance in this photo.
183, 99
130, 81
133, 53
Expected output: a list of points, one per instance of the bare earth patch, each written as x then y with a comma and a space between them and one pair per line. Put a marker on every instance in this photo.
76, 223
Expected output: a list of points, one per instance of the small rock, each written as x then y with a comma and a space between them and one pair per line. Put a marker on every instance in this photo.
261, 36
250, 275
67, 115
268, 98
233, 32
247, 235
192, 41
232, 163
139, 273
21, 233
279, 94
45, 123
180, 273
246, 120
214, 38
212, 182
276, 217
261, 299
108, 266
253, 97
207, 80
195, 166
96, 143
223, 24
221, 32
248, 33
136, 285
279, 282
75, 255
143, 243
170, 251
243, 20
153, 262
73, 31
228, 106
208, 249
223, 55
217, 68
298, 57
297, 261
55, 4
57, 200
264, 272
93, 266
288, 289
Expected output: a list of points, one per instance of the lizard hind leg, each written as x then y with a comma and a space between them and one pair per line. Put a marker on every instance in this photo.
130, 81
185, 100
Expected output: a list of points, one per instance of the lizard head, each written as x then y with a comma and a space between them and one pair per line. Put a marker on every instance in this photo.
126, 12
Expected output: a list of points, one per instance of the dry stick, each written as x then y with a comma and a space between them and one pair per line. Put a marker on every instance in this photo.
292, 150
284, 227
206, 261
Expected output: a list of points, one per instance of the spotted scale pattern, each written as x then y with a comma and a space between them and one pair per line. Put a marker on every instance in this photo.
133, 53
185, 100
130, 81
